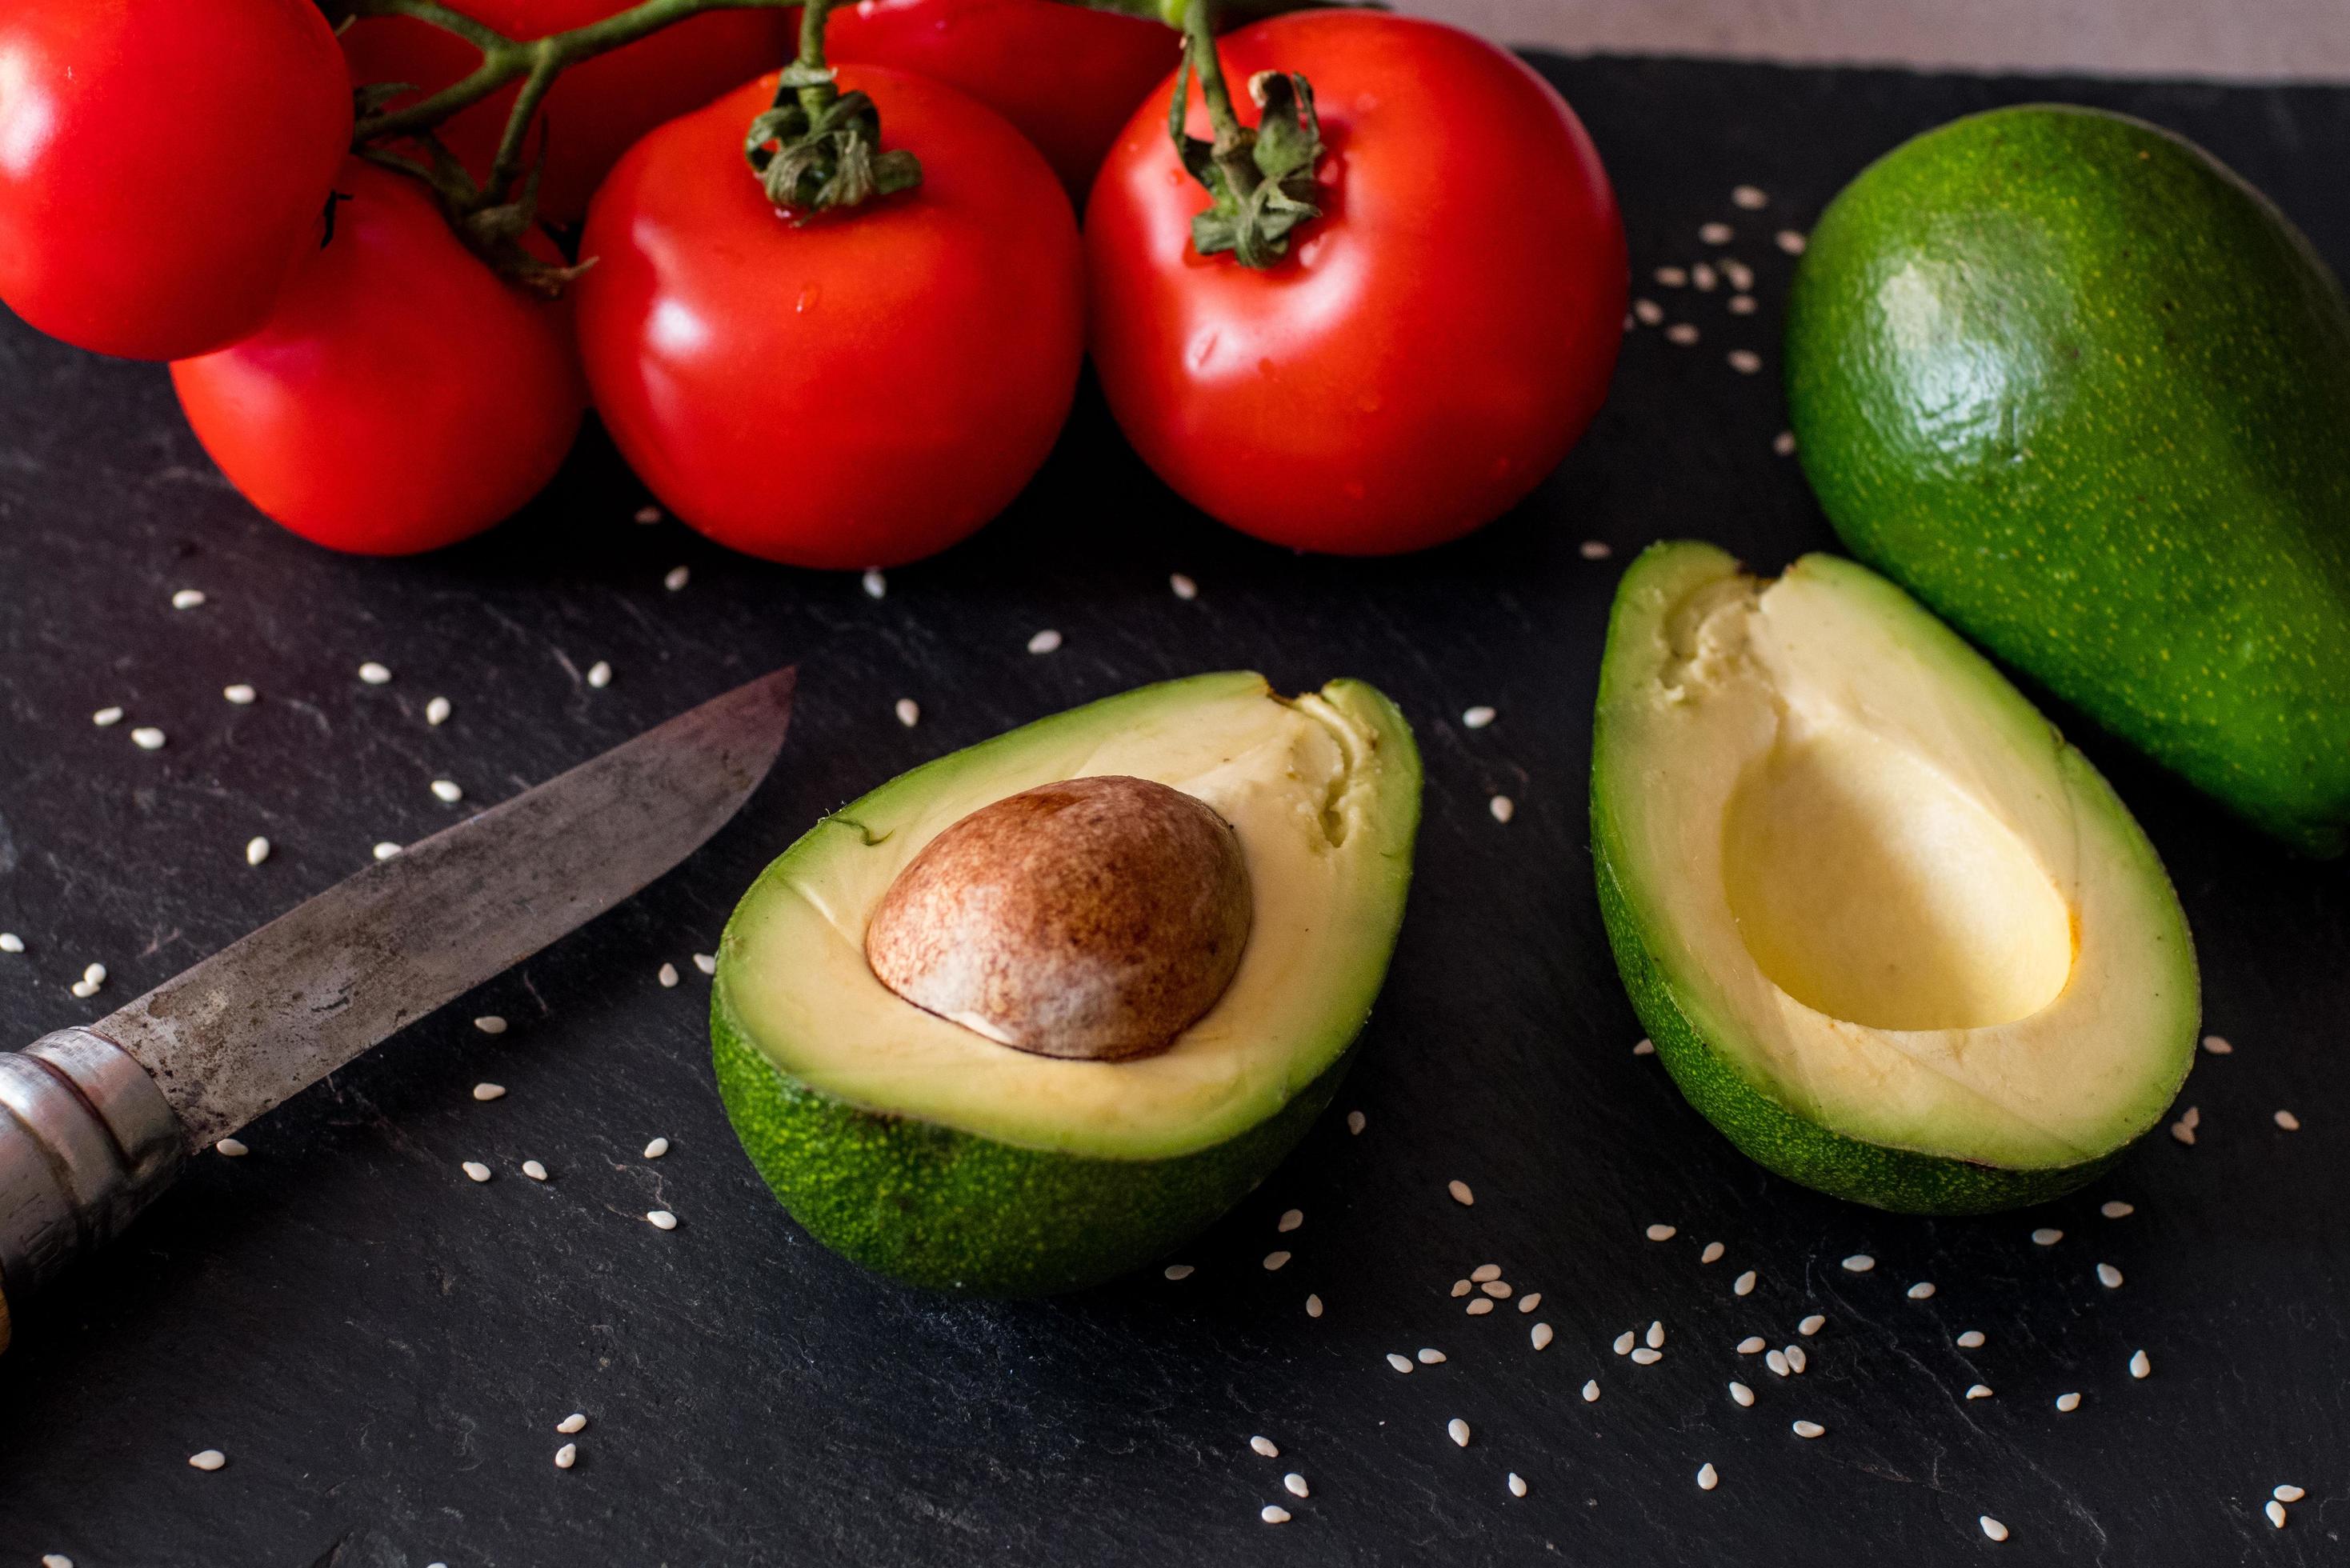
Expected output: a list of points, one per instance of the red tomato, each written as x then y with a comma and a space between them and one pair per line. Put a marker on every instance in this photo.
1427, 349
598, 106
163, 162
862, 390
401, 396
1067, 76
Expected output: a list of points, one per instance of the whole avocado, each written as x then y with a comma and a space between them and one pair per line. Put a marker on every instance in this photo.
2081, 389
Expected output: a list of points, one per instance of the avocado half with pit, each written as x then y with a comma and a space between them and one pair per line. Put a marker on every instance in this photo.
1001, 1135
1889, 932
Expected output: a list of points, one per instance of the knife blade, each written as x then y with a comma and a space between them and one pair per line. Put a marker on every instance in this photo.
94, 1122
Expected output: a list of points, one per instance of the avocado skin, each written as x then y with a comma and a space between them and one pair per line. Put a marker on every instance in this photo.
1902, 1180
937, 1207
2122, 463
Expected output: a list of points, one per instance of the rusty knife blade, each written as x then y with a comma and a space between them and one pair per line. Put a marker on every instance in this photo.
271, 1015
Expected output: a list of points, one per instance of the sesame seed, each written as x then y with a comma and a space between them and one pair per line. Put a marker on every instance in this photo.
677, 578
661, 1219
1971, 1340
83, 989
573, 1422
10, 942
1476, 717
385, 850
2068, 1403
2288, 1121
242, 695
1541, 1337
1714, 234
2191, 1117
1745, 361
1683, 333
1702, 277
147, 738
256, 850
2183, 1133
1655, 1334
375, 674
1626, 1340
1784, 444
1461, 1287
1672, 277
107, 718
1741, 305
599, 674
1182, 586
447, 791
490, 1023
648, 515
1517, 1484
909, 712
1273, 1514
1741, 1395
1708, 1477
2217, 1045
657, 1147
1743, 1284
1266, 1446
1291, 1219
475, 1170
1502, 807
1791, 242
1430, 1356
1274, 1260
56, 1559
1356, 1122
1480, 1307
2275, 1510
486, 1091
1859, 1263
1713, 1253
1460, 1193
1644, 1047
534, 1171
667, 975
1753, 1345
1777, 1360
567, 1456
1993, 1527
1922, 1290
1294, 1483
1741, 278
2109, 1276
1661, 1232
1748, 197
1045, 641
2115, 1208
1312, 1306
1458, 1430
188, 598
94, 976
1500, 1290
207, 1459
232, 1148
876, 584
1531, 1300
1811, 1325
2047, 1236
1644, 1356
1809, 1429
1400, 1363
1647, 312
1798, 1362
1178, 1271
706, 963
2139, 1367
2288, 1493
1978, 1391
436, 713
1484, 1271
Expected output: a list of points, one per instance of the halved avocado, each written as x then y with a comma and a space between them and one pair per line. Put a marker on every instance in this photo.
1889, 932
931, 1153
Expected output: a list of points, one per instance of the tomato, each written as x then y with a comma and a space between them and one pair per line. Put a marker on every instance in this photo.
860, 390
1066, 76
400, 396
596, 108
1425, 352
163, 162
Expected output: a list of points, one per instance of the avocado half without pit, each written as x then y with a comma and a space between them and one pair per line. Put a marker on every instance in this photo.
1889, 932
1037, 1013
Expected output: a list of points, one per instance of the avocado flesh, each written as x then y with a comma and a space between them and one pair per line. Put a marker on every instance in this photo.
2087, 394
1888, 931
933, 1154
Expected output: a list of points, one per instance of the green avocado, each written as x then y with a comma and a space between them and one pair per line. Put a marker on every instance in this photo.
937, 1155
2086, 393
1889, 932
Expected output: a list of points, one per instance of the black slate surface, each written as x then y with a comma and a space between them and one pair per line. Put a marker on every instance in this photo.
382, 1348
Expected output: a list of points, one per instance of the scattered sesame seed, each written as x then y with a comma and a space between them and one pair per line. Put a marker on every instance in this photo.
1500, 1290
1273, 1514
1978, 1391
242, 695
385, 850
2068, 1403
649, 515
56, 1559
2115, 1208
2139, 1365
1484, 1271
1644, 1356
2192, 1116
1682, 333
1811, 1325
1356, 1122
1798, 1362
1713, 1253
1922, 1290
1477, 717
1791, 242
147, 738
1460, 1193
1993, 1527
2183, 1133
1745, 361
1753, 1345
1672, 277
1859, 1263
1183, 587
1661, 1232
657, 1147
1312, 1306
2109, 1276
1294, 1483
599, 674
2288, 1493
1647, 312
94, 976
706, 963
1274, 1260
234, 1148
661, 1219
107, 718
573, 1422
447, 791
1291, 1219
188, 598
1461, 1288
1741, 305
436, 713
1971, 1340
1045, 641
490, 1023
876, 584
2217, 1045
1266, 1446
1458, 1430
1708, 1477
1714, 234
1591, 1392
1541, 1337
10, 942
1400, 1363
256, 850
1430, 1356
1178, 1271
1702, 277
1644, 1047
677, 578
1743, 1284
1517, 1484
2288, 1121
567, 1456
375, 674
667, 975
1480, 1307
207, 1459
1741, 1395
1655, 1334
1502, 807
1626, 1340
486, 1091
1742, 279
1784, 444
1809, 1429
909, 712
534, 1171
1777, 1360
1748, 197
475, 1170
1531, 1300
2275, 1510
2047, 1236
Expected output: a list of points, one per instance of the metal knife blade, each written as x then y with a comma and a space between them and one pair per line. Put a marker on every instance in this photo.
269, 1015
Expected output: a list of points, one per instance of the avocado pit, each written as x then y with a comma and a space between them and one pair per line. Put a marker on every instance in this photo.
1091, 919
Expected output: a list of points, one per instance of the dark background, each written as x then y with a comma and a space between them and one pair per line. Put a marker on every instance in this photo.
383, 1349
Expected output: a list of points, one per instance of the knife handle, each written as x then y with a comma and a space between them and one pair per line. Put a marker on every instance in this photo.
86, 1140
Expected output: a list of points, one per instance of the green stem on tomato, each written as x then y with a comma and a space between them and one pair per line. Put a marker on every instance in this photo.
817, 149
1260, 180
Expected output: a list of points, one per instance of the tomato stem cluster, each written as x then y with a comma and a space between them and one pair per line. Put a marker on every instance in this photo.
1262, 178
817, 147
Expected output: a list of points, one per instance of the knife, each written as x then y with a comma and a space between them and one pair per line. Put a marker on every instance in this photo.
94, 1123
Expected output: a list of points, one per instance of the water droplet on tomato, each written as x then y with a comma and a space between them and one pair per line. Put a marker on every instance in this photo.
1203, 349
808, 296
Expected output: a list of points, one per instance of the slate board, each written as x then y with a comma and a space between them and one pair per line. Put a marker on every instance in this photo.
383, 1349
